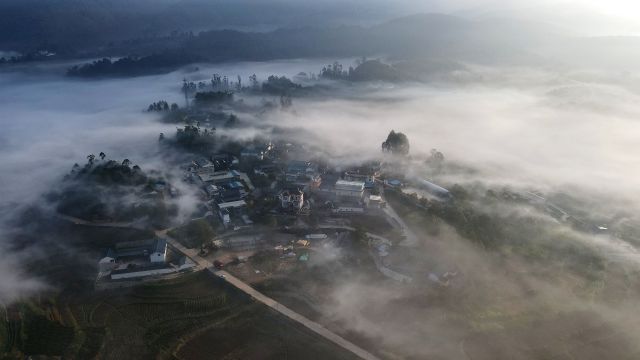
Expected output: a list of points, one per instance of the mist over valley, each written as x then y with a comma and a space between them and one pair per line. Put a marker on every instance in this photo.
392, 185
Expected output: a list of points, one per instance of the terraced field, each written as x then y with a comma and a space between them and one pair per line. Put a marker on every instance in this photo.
192, 317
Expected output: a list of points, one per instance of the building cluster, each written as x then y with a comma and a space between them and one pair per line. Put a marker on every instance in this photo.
261, 182
223, 188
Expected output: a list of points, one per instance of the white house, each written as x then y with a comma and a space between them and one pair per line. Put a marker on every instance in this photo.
159, 251
155, 251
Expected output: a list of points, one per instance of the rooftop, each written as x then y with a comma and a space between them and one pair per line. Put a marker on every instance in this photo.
349, 185
232, 204
137, 248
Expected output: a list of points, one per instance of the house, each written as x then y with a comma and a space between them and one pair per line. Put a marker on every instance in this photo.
224, 162
231, 194
154, 250
265, 170
225, 210
258, 152
291, 199
212, 190
135, 259
316, 236
298, 168
232, 204
131, 271
215, 177
374, 201
364, 174
394, 183
349, 190
202, 163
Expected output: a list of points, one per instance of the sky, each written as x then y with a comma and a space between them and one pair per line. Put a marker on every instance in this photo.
583, 17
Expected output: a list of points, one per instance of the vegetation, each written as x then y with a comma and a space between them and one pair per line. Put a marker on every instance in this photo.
213, 97
194, 234
162, 105
195, 316
194, 138
279, 85
108, 172
108, 190
133, 66
538, 240
373, 70
397, 143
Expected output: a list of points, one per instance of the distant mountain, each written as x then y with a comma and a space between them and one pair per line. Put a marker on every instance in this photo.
73, 25
439, 38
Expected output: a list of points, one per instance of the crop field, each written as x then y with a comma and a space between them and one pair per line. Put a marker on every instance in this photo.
182, 318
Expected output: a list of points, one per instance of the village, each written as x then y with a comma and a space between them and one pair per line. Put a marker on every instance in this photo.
276, 200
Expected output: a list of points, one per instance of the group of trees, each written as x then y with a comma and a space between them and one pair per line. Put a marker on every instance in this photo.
162, 105
436, 159
397, 143
279, 85
38, 55
335, 72
109, 190
223, 90
213, 97
193, 138
102, 171
133, 65
194, 234
365, 70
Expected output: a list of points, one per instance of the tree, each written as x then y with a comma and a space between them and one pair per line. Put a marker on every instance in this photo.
200, 231
361, 238
253, 80
102, 155
161, 137
436, 159
91, 158
397, 143
126, 162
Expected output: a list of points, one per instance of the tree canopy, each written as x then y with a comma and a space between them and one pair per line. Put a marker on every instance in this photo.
397, 143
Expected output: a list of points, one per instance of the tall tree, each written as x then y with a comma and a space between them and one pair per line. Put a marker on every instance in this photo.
397, 143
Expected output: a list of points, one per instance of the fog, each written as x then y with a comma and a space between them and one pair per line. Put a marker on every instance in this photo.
545, 129
542, 129
50, 122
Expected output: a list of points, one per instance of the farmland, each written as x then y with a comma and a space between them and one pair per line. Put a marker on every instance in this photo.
184, 318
